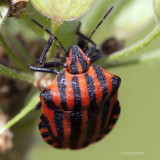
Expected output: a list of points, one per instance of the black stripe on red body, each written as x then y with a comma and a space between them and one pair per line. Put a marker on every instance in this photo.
46, 132
58, 121
105, 113
92, 114
76, 92
91, 89
101, 78
93, 120
62, 89
113, 118
75, 118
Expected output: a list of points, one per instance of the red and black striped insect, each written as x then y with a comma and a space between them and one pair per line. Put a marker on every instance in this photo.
80, 106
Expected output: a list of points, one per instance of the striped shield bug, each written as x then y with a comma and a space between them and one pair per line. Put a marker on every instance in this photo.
80, 106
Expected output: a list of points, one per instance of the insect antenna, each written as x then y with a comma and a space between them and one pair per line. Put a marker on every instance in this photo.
37, 23
106, 14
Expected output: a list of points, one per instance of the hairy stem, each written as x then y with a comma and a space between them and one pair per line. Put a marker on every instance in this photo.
155, 55
139, 45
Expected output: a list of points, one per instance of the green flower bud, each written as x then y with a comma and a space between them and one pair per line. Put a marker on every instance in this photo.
62, 10
156, 6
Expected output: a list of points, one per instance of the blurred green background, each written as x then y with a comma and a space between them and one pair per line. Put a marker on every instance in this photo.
136, 134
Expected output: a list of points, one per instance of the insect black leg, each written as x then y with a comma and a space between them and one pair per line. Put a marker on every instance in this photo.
91, 51
47, 47
50, 33
83, 36
54, 64
41, 69
45, 66
97, 56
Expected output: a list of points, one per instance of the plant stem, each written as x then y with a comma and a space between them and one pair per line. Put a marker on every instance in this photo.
12, 74
12, 55
139, 45
140, 59
29, 107
55, 30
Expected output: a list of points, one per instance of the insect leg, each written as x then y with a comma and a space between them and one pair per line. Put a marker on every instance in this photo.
91, 50
47, 47
50, 33
83, 36
41, 69
97, 56
44, 66
54, 64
